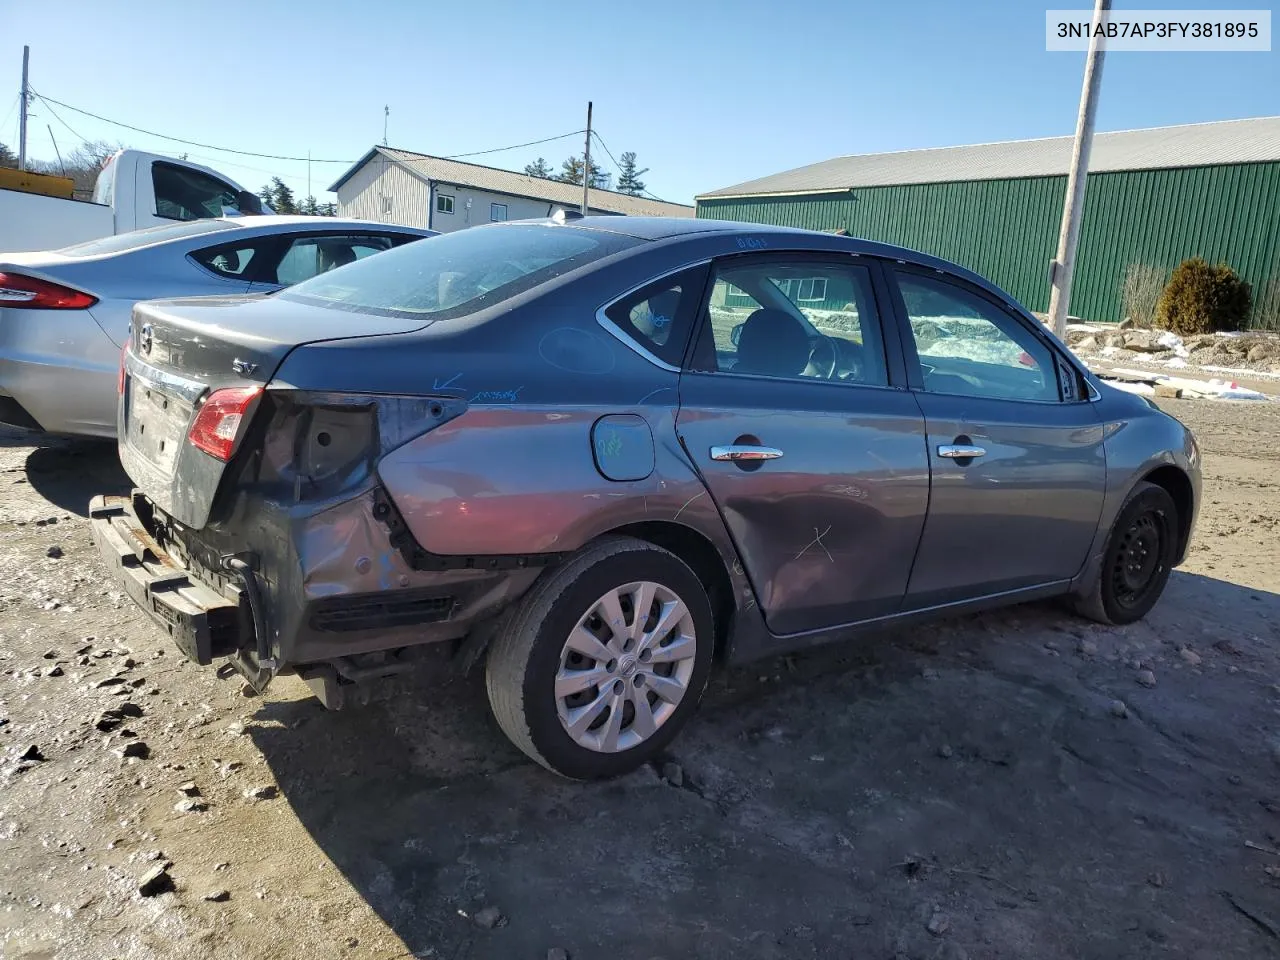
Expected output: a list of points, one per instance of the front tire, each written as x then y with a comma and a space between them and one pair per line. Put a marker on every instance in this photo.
1140, 553
604, 661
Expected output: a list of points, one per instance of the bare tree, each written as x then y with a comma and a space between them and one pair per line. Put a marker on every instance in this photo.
1143, 284
1266, 309
82, 164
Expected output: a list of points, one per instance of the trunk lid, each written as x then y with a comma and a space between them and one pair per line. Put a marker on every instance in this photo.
181, 351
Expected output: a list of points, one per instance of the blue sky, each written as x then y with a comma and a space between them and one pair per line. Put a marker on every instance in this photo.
707, 92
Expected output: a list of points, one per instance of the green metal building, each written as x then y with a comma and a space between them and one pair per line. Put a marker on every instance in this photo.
1154, 197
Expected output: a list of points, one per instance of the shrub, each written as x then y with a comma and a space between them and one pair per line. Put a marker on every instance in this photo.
1200, 298
1140, 293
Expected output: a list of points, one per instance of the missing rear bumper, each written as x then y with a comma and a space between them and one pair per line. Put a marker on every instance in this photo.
202, 623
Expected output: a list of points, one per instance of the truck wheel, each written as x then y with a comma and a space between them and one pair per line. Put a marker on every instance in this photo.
604, 660
1139, 556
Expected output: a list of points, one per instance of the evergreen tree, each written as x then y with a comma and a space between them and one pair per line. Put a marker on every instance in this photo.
7, 157
629, 177
571, 172
539, 168
279, 196
309, 207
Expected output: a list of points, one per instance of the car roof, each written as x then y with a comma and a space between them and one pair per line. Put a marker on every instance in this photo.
660, 228
284, 221
672, 228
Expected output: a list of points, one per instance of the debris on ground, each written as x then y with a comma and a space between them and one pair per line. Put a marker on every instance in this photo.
488, 917
156, 881
673, 773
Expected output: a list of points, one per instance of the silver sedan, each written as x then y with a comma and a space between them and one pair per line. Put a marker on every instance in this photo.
64, 314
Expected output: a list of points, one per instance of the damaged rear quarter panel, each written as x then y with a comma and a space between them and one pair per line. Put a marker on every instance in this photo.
524, 480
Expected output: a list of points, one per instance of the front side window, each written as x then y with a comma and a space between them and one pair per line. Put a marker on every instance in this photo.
444, 203
497, 212
971, 347
794, 319
186, 194
308, 257
458, 273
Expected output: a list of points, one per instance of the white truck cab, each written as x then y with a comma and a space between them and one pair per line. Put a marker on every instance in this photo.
134, 190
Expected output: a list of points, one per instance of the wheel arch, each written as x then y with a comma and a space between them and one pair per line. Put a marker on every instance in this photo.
703, 558
1175, 482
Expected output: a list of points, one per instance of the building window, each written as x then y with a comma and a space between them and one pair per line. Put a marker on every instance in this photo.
812, 288
497, 211
444, 203
386, 204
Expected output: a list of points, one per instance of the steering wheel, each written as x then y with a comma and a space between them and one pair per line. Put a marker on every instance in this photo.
822, 366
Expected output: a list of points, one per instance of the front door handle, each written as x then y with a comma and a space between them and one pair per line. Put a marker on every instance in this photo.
960, 451
740, 451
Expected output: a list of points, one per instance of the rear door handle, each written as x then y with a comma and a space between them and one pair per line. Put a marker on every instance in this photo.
960, 451
738, 451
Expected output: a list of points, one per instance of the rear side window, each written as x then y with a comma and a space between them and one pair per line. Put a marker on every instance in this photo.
186, 194
310, 256
456, 274
660, 317
794, 318
233, 261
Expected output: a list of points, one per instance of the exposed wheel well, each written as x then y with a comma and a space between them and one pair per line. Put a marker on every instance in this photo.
702, 557
1178, 485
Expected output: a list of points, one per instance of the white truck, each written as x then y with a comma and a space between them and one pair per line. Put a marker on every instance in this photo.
134, 190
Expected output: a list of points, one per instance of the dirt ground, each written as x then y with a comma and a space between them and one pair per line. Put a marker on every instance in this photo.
1002, 786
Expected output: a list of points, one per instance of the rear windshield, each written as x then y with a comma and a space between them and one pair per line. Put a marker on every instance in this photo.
134, 239
458, 273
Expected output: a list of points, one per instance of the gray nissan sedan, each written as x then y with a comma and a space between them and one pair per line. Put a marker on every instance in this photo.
605, 453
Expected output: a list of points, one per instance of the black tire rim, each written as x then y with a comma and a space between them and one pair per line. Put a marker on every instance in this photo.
1139, 559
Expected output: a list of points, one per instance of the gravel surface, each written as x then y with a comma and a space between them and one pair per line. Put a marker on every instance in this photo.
1011, 785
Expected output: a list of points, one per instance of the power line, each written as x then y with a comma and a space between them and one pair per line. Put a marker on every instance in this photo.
617, 166
272, 156
517, 146
13, 107
189, 143
59, 118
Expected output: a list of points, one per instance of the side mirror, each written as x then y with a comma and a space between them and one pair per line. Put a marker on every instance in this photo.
249, 204
736, 334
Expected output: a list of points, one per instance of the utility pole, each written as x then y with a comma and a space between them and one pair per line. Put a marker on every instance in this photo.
1063, 266
22, 112
586, 163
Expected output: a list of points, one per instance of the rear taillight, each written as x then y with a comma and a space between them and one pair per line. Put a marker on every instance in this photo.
124, 352
31, 293
218, 421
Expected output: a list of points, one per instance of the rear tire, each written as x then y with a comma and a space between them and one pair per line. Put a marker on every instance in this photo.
1141, 549
581, 682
